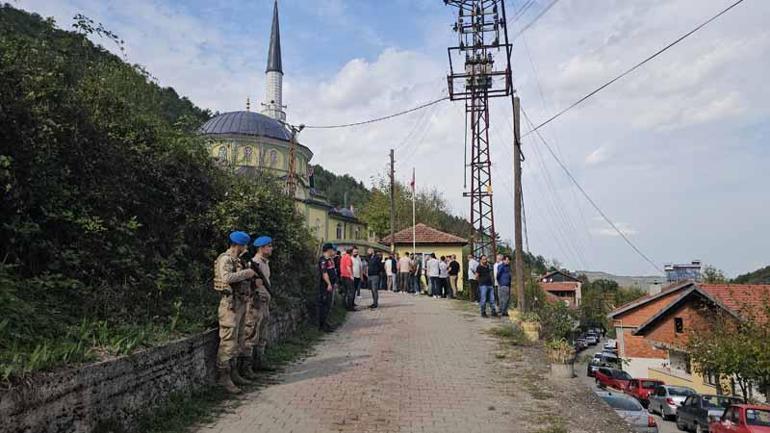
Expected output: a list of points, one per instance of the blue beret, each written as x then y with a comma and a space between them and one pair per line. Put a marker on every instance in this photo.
240, 238
262, 241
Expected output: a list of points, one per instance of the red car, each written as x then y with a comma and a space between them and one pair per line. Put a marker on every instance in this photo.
641, 389
743, 418
612, 378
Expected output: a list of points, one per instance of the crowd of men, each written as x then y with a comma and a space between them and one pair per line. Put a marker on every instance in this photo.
244, 286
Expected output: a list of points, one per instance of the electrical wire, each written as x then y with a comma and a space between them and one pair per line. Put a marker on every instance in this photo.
521, 11
534, 20
633, 68
590, 200
380, 119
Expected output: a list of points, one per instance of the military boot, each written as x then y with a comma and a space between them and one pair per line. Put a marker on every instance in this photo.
224, 380
260, 361
245, 369
236, 375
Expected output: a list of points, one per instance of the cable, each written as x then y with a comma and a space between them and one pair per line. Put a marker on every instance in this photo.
531, 23
633, 68
522, 10
590, 200
379, 119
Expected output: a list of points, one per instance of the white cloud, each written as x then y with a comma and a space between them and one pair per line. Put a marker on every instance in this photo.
598, 156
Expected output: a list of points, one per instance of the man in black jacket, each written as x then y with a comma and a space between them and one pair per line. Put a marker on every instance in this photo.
374, 269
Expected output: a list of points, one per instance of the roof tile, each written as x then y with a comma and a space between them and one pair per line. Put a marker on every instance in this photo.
424, 235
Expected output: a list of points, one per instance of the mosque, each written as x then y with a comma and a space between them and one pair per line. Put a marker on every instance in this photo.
253, 142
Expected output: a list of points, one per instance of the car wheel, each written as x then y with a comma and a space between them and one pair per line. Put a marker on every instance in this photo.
679, 424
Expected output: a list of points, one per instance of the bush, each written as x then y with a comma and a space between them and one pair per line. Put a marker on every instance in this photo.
112, 209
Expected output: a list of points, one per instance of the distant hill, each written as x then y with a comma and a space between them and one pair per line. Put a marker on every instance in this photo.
760, 276
638, 282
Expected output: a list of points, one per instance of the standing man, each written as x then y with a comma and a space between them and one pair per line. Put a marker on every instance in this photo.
417, 274
472, 279
389, 271
358, 268
498, 262
346, 276
454, 273
504, 277
443, 274
327, 279
261, 303
374, 269
404, 273
486, 289
231, 281
433, 270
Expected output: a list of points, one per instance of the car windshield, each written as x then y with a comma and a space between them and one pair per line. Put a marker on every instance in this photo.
680, 392
622, 403
618, 374
649, 384
760, 417
718, 402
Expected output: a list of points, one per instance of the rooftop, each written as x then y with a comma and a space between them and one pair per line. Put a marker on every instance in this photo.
424, 235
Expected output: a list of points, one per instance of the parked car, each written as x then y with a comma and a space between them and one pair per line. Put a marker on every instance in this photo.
666, 399
743, 418
631, 411
592, 339
698, 411
611, 346
581, 344
640, 389
612, 378
602, 359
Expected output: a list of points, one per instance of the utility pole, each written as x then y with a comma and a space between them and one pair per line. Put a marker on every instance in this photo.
519, 249
475, 77
392, 201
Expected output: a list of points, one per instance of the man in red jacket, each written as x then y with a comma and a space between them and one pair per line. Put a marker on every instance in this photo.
346, 274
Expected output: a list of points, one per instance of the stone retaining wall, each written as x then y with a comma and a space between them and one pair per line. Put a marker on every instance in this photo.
109, 395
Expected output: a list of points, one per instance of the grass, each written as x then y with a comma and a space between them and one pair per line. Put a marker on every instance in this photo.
510, 334
183, 410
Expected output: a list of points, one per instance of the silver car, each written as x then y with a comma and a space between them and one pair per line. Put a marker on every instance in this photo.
666, 399
631, 411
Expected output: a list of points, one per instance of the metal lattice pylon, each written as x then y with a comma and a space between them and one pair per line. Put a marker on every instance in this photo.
482, 33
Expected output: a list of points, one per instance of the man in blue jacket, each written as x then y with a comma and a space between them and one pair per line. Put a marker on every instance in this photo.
504, 277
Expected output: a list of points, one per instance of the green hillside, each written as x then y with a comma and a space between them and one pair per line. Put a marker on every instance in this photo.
760, 276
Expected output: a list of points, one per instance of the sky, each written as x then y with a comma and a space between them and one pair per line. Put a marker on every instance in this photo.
676, 154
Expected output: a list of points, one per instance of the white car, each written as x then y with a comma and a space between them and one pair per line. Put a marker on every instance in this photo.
666, 399
591, 339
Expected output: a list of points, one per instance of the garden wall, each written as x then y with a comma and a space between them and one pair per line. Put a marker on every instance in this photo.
109, 395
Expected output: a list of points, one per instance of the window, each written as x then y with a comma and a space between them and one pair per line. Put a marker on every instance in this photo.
710, 378
678, 325
339, 231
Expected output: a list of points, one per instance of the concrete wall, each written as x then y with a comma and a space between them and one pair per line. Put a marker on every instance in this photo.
109, 395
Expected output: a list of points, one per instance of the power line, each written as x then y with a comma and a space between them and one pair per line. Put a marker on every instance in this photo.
534, 20
588, 197
380, 119
633, 68
520, 12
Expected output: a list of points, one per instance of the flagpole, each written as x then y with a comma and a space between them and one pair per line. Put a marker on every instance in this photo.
414, 218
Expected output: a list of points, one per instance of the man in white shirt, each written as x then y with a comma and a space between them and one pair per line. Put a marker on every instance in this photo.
443, 275
498, 262
358, 268
389, 271
472, 280
433, 271
404, 269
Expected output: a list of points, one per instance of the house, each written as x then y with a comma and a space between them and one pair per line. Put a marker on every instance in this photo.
424, 240
652, 332
563, 287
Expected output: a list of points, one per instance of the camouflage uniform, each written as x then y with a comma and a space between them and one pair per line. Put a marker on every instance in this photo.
230, 279
258, 315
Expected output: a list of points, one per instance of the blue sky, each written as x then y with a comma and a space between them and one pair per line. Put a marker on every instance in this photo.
676, 154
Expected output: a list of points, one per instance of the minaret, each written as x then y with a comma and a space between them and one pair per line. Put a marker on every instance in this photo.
273, 105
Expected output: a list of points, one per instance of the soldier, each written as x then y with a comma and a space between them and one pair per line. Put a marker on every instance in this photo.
264, 245
327, 279
231, 281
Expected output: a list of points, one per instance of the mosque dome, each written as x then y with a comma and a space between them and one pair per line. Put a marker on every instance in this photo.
246, 123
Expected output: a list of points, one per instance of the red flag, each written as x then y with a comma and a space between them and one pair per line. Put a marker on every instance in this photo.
413, 180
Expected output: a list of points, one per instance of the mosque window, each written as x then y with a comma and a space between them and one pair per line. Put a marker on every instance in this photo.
223, 152
247, 153
273, 158
339, 231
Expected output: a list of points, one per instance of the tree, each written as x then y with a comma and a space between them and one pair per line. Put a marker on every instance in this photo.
713, 275
733, 348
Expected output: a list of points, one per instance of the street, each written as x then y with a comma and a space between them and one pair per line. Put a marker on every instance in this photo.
580, 370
